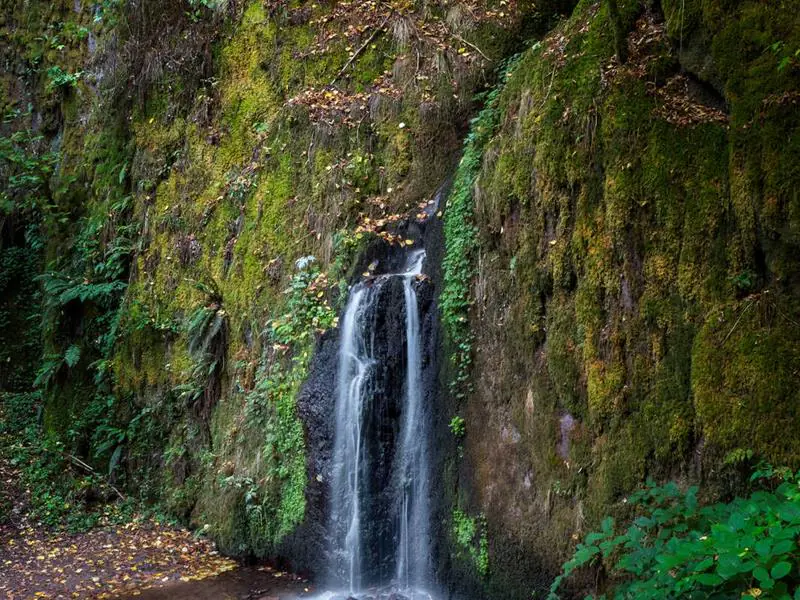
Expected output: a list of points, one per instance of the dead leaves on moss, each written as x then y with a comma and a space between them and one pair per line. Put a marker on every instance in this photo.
386, 226
648, 49
331, 106
678, 107
784, 99
104, 562
430, 45
648, 46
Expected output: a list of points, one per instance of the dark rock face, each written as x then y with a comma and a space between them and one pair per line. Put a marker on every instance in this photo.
381, 431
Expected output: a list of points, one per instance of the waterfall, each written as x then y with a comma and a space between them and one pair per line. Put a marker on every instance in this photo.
414, 552
380, 507
354, 362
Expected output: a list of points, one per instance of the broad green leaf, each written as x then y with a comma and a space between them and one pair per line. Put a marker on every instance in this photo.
709, 579
761, 574
780, 570
705, 564
763, 547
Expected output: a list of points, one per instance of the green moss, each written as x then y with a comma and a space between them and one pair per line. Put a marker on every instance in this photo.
619, 247
461, 243
604, 386
737, 403
563, 357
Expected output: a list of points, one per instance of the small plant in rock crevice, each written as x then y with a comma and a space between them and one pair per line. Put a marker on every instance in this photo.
60, 79
469, 534
458, 427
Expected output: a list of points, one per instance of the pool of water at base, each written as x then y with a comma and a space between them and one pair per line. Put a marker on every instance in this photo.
388, 593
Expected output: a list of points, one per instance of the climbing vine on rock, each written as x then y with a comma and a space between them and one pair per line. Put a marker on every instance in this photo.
471, 540
461, 237
277, 508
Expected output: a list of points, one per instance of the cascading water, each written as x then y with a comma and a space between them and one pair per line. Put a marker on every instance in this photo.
380, 491
413, 558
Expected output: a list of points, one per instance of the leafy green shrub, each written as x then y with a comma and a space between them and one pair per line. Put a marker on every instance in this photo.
307, 310
678, 549
65, 493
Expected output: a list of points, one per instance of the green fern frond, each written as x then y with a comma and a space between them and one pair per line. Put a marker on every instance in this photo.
72, 356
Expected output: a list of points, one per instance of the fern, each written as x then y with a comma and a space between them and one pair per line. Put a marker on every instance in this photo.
72, 356
50, 366
61, 289
207, 332
210, 289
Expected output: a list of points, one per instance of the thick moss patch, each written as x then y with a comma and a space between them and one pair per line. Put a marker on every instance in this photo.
636, 273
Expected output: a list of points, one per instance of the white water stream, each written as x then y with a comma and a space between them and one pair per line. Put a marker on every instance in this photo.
408, 518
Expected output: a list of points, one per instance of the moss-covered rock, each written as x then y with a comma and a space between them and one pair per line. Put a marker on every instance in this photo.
635, 269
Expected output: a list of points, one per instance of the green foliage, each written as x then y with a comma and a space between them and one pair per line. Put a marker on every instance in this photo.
25, 167
198, 8
738, 456
469, 534
61, 289
72, 356
64, 494
347, 245
20, 335
308, 311
461, 238
787, 59
458, 427
18, 416
82, 287
60, 79
207, 332
279, 507
677, 548
107, 11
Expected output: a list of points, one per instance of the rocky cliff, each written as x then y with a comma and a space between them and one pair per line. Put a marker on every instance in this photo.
190, 187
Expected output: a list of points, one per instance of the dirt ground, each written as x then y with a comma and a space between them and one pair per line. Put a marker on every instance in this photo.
144, 559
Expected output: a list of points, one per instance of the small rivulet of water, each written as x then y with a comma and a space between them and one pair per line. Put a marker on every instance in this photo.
380, 490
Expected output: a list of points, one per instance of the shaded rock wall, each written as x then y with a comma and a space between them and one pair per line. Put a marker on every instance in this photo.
636, 273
